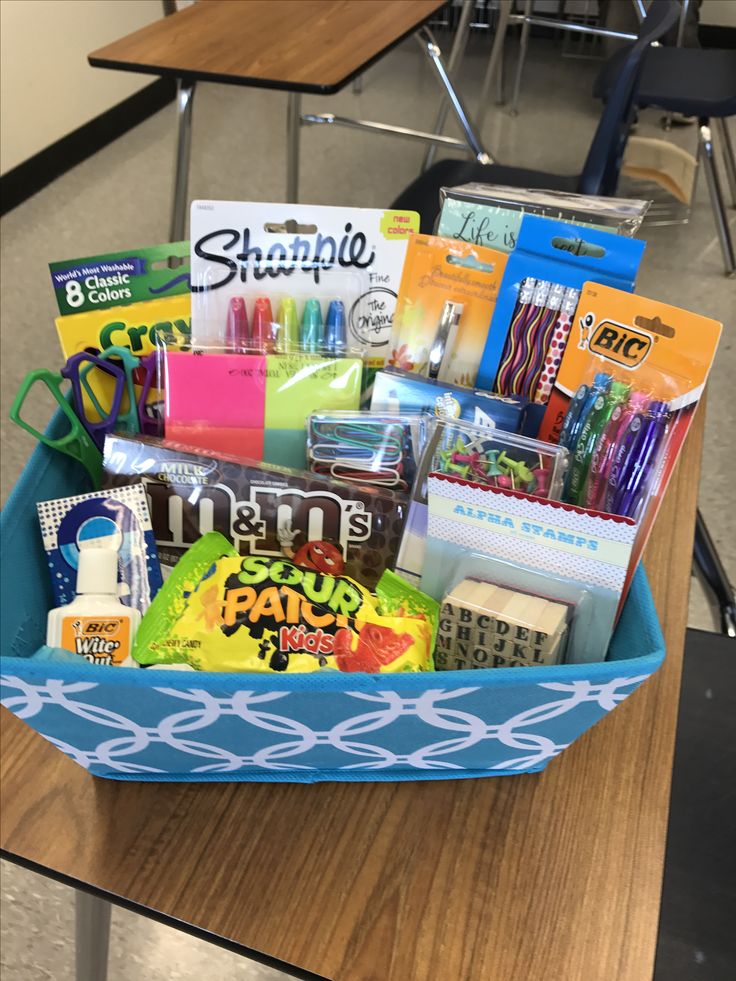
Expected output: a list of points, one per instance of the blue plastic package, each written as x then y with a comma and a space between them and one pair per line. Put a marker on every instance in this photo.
402, 392
552, 260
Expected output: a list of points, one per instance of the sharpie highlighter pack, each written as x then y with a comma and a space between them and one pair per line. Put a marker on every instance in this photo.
285, 278
537, 300
445, 304
624, 399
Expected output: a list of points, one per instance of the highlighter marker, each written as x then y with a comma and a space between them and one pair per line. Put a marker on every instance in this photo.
288, 321
310, 335
572, 415
601, 384
335, 329
264, 339
602, 458
237, 334
626, 440
598, 418
642, 460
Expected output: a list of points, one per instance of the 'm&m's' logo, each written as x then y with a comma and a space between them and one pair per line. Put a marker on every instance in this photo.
624, 345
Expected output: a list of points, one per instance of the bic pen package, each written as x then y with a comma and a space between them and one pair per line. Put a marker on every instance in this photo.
297, 278
403, 392
253, 405
444, 308
536, 303
490, 215
624, 400
262, 509
119, 278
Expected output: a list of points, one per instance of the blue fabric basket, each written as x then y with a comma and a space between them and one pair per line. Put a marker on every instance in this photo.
130, 724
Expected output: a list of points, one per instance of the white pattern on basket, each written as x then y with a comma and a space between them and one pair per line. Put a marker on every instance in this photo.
455, 730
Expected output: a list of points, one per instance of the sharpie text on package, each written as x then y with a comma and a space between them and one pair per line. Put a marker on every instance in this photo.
231, 249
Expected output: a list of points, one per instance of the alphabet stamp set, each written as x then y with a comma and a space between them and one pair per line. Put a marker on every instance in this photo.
468, 433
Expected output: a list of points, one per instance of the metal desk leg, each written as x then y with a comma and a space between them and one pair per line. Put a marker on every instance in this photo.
184, 99
729, 161
494, 68
92, 936
293, 122
523, 45
453, 66
431, 49
705, 154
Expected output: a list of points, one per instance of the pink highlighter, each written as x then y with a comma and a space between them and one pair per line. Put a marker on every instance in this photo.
600, 464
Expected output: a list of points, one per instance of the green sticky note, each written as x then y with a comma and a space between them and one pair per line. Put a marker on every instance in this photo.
298, 384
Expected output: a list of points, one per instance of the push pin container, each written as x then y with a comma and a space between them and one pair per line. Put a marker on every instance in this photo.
483, 625
496, 458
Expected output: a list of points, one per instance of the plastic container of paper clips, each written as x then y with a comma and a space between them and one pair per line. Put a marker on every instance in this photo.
132, 724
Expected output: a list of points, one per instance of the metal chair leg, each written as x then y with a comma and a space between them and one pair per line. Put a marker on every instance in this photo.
495, 62
293, 123
431, 49
729, 161
705, 148
453, 67
523, 45
184, 100
709, 562
92, 917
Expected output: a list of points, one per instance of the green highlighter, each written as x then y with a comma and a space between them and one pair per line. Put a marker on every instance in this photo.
598, 418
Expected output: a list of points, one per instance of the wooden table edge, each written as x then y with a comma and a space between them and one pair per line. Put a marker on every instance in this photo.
149, 912
329, 88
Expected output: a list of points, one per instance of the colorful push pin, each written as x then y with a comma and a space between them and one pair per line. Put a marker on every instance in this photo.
336, 328
264, 330
447, 457
312, 327
492, 467
288, 340
541, 486
237, 334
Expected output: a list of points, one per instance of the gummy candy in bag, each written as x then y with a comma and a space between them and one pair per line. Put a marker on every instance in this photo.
219, 611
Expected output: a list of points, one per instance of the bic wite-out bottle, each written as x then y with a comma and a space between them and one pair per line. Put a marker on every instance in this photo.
96, 625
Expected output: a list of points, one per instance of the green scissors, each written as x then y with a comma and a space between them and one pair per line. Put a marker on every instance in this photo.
76, 443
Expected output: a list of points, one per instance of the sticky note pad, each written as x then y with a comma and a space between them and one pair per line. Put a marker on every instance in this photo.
285, 447
223, 390
299, 384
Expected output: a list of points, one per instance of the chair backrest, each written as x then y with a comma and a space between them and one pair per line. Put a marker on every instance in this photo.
603, 163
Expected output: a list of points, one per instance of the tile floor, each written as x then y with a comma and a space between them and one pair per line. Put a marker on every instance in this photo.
121, 196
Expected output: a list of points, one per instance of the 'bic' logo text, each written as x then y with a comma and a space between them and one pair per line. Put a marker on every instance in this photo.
626, 346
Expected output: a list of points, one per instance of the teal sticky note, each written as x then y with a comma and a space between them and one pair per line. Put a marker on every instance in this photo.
285, 448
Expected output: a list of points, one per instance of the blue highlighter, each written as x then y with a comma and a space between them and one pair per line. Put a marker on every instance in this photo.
336, 328
579, 410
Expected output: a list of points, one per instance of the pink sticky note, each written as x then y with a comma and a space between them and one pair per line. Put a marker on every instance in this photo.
221, 390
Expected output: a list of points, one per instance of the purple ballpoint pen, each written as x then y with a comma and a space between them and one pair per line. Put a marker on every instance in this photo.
642, 460
625, 441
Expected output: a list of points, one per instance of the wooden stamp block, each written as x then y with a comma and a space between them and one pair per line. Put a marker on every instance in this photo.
487, 626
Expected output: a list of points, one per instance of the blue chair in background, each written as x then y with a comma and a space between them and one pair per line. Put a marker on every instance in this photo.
601, 169
699, 82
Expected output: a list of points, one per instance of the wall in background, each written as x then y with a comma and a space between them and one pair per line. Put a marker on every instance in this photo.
718, 12
47, 89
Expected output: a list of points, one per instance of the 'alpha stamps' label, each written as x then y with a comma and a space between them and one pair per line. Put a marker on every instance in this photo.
100, 640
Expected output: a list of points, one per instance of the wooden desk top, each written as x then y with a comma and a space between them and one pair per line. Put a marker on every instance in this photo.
527, 878
298, 45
